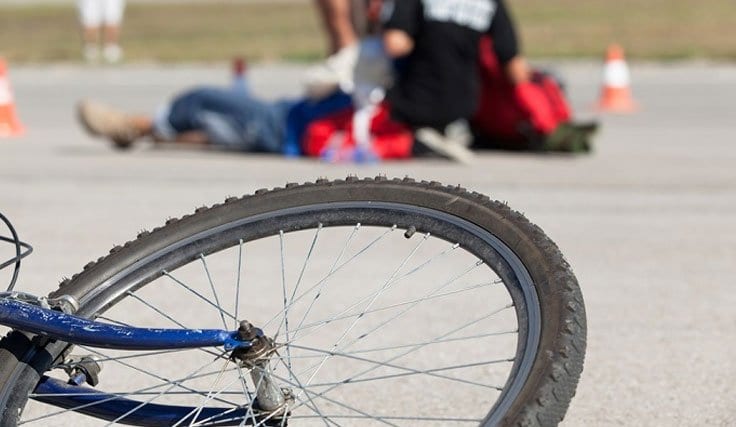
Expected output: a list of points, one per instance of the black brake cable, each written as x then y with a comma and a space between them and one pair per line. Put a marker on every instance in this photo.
19, 255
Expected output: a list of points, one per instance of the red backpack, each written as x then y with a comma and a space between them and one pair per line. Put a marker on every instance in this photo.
507, 112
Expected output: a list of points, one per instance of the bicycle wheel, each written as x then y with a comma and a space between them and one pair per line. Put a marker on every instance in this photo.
388, 302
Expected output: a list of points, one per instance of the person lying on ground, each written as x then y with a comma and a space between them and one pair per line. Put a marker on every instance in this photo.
221, 117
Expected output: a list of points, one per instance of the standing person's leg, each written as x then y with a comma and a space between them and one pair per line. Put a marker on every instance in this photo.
337, 70
113, 18
336, 18
90, 17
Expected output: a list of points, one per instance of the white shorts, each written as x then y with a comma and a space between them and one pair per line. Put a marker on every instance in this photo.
96, 13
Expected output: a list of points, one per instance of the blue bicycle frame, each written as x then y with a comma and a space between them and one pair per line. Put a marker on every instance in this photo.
76, 330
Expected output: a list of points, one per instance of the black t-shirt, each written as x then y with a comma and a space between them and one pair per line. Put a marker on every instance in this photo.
438, 82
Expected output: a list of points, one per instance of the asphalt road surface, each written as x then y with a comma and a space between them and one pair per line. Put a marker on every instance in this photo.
648, 221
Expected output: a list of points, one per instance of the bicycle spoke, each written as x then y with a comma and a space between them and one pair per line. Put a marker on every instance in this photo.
270, 416
285, 323
250, 397
200, 296
413, 305
431, 373
324, 281
394, 418
301, 273
214, 290
465, 338
115, 322
392, 306
237, 283
293, 378
151, 374
114, 396
306, 261
436, 290
356, 304
134, 393
370, 304
299, 280
381, 291
152, 307
408, 371
218, 417
137, 355
335, 402
156, 309
305, 293
413, 349
159, 395
198, 410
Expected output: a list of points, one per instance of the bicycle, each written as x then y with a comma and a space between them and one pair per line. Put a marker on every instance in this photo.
350, 302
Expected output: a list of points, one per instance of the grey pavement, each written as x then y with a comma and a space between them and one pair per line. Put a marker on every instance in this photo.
648, 221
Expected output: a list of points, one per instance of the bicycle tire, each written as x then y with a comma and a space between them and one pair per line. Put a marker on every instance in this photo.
544, 394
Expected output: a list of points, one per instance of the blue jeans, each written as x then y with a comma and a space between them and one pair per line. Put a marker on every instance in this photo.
230, 118
233, 119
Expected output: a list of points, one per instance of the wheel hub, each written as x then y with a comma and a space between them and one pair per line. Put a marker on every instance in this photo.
271, 400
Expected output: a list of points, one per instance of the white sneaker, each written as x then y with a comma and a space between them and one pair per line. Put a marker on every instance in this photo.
112, 53
459, 132
453, 144
336, 72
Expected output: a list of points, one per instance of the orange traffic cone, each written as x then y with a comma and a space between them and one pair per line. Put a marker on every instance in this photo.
9, 123
616, 95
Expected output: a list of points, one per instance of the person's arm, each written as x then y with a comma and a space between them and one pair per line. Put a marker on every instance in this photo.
401, 20
397, 43
517, 70
506, 46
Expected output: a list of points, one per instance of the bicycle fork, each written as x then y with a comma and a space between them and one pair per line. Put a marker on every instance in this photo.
54, 318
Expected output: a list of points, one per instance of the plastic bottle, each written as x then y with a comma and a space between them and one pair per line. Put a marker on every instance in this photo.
363, 152
366, 99
240, 78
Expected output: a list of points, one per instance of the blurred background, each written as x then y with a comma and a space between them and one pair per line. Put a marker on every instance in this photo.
187, 30
647, 220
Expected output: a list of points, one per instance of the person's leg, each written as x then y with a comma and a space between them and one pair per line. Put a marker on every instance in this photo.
337, 70
337, 21
226, 118
113, 17
121, 128
200, 116
112, 34
90, 19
